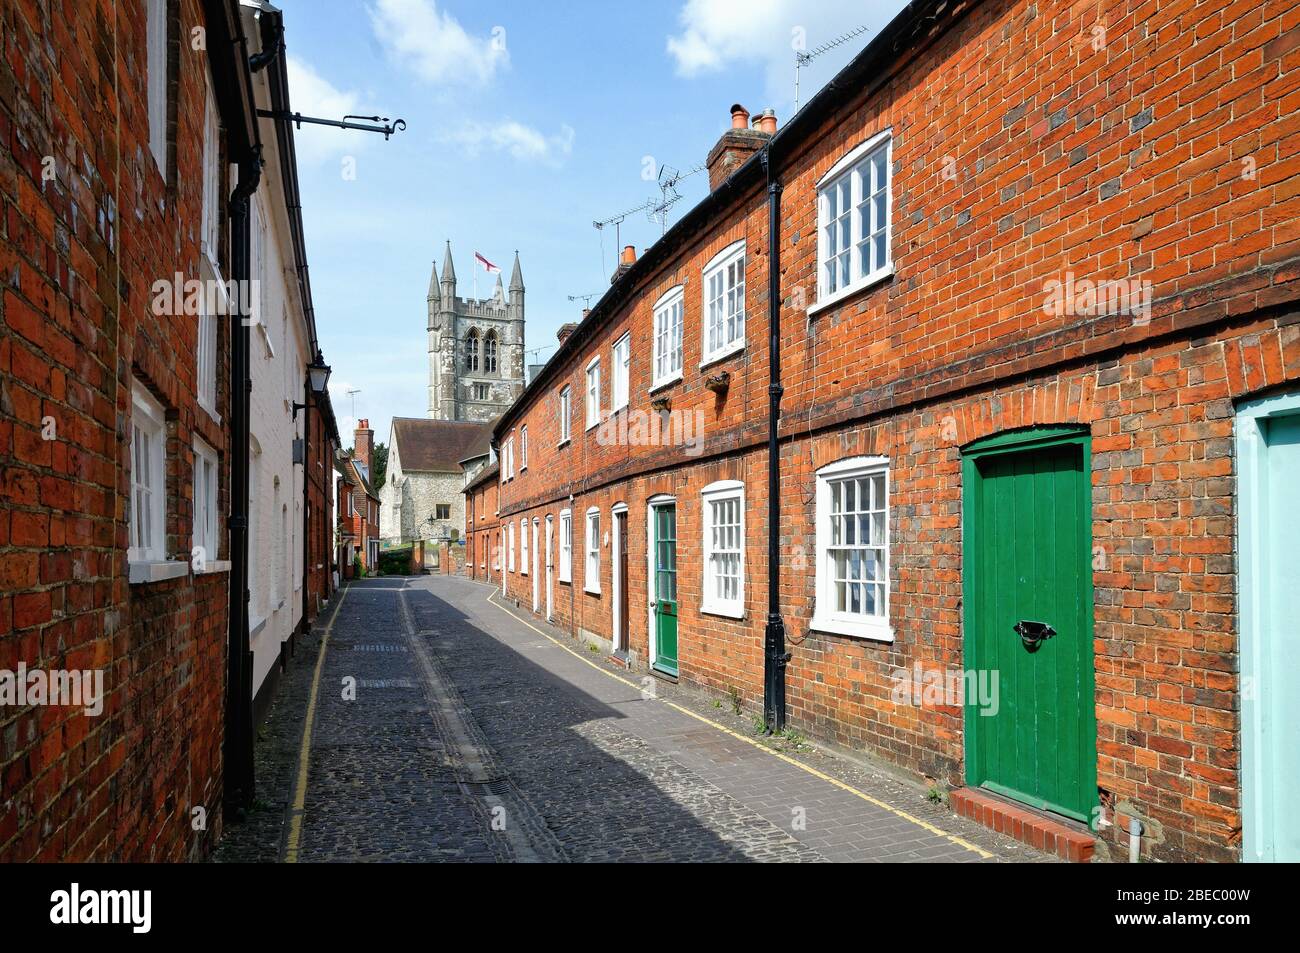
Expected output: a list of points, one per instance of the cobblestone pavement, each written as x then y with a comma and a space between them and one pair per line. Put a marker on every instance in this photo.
478, 735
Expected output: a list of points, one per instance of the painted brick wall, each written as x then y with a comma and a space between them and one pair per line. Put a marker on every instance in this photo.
1023, 150
79, 253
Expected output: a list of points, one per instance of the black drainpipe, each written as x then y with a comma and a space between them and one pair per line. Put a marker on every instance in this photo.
775, 657
239, 680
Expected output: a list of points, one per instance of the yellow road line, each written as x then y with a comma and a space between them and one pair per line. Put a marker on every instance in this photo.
926, 825
304, 752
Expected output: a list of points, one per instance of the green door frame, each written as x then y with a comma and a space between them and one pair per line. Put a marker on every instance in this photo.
653, 506
1019, 441
1258, 805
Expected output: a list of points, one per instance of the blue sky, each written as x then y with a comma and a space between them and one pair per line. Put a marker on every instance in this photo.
527, 121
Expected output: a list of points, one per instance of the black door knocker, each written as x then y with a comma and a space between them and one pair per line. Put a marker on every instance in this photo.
1033, 634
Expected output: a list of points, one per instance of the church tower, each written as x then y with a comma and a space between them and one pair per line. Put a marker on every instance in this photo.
476, 346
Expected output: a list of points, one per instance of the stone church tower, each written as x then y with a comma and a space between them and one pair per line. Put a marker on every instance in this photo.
476, 347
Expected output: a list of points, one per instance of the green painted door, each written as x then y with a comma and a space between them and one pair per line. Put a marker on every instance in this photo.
1028, 620
1268, 455
665, 587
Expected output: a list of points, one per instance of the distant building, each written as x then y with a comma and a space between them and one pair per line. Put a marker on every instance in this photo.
423, 495
358, 505
476, 347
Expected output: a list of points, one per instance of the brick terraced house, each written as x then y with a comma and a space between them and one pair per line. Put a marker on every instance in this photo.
130, 155
1036, 270
358, 505
482, 526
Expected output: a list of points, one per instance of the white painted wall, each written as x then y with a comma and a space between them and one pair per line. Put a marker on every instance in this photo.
279, 355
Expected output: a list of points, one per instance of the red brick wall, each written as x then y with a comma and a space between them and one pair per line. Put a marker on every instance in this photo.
482, 529
1170, 154
320, 523
79, 254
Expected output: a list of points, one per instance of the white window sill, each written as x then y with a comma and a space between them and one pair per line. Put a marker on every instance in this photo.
592, 425
725, 353
562, 443
210, 411
567, 582
848, 291
726, 611
590, 591
156, 570
666, 382
878, 630
213, 565
622, 406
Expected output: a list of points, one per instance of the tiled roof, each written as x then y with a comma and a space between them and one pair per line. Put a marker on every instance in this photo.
438, 446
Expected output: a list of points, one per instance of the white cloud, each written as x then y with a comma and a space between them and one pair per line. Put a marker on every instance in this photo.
313, 95
716, 34
435, 46
524, 143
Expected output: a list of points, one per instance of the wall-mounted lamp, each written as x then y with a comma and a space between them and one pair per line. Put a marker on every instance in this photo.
318, 375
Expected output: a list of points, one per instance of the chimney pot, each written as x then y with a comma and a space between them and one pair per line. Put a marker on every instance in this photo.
629, 255
363, 442
739, 116
767, 122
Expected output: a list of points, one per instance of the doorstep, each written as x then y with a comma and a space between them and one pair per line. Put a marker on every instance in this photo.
1068, 841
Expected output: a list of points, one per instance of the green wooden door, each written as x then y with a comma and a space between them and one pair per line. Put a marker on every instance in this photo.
665, 587
1268, 468
1027, 564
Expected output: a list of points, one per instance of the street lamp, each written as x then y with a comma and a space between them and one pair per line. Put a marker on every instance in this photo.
318, 374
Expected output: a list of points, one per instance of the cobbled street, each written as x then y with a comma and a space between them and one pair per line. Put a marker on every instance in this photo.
474, 735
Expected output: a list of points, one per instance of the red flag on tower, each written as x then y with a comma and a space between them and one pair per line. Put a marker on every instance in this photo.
490, 268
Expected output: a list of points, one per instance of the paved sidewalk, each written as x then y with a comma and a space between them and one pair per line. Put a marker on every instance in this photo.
478, 734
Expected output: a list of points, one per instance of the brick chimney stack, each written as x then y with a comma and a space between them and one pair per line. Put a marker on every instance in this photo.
625, 261
738, 143
566, 330
363, 443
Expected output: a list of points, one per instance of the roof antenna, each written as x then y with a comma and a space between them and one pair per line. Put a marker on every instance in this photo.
803, 57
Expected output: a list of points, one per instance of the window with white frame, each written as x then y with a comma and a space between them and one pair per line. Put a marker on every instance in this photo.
523, 447
669, 314
251, 303
853, 548
206, 356
565, 412
591, 577
511, 553
621, 358
148, 489
593, 393
724, 303
156, 79
205, 540
510, 458
523, 546
209, 237
566, 546
724, 548
853, 218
